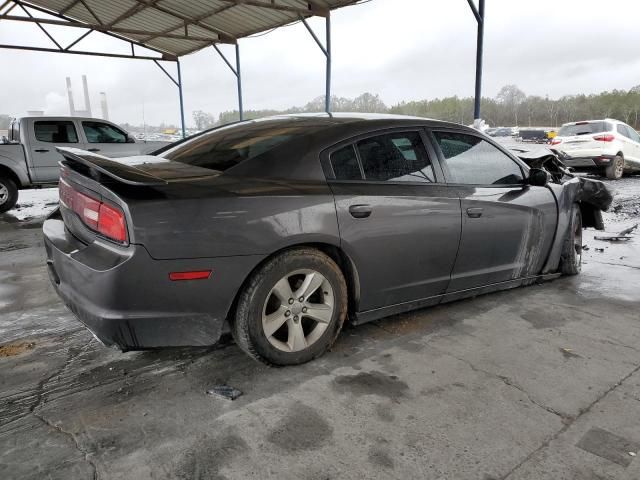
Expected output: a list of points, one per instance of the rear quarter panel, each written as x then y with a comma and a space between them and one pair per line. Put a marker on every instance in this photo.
233, 216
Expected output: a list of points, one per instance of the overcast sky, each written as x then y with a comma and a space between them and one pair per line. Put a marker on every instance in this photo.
400, 49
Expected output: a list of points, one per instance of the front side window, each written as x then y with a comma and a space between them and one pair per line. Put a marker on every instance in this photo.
470, 160
55, 132
98, 132
397, 157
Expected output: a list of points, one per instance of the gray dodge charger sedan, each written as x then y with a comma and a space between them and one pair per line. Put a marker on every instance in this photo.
280, 229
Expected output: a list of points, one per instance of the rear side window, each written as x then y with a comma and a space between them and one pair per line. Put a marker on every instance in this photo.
633, 135
223, 148
584, 128
398, 157
55, 132
98, 132
622, 130
469, 160
345, 164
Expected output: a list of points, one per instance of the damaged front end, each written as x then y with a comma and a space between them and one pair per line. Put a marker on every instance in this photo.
593, 196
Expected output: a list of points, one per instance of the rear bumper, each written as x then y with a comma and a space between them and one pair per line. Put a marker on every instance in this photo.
588, 162
125, 298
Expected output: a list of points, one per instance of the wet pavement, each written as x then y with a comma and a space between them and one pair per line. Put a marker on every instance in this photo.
541, 382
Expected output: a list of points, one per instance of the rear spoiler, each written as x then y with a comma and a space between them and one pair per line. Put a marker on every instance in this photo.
112, 168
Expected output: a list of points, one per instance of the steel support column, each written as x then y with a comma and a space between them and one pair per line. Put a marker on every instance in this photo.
184, 133
326, 50
237, 72
178, 83
327, 95
479, 14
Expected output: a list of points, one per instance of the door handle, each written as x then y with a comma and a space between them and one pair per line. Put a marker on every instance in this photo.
93, 149
360, 211
475, 212
41, 150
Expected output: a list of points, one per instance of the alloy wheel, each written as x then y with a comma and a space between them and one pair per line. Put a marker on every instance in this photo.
4, 194
298, 310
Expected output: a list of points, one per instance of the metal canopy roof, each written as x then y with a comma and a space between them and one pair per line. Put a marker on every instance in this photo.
179, 27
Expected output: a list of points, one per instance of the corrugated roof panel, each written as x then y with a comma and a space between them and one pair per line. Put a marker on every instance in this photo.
168, 17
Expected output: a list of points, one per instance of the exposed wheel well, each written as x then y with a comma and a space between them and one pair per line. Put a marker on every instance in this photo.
343, 261
7, 172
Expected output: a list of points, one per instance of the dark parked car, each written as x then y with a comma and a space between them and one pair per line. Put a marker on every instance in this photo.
279, 229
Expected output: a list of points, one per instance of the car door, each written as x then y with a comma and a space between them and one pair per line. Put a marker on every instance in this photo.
628, 146
108, 140
399, 223
507, 225
633, 161
44, 137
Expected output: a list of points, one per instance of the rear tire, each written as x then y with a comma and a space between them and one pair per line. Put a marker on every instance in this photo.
8, 194
292, 308
571, 257
616, 169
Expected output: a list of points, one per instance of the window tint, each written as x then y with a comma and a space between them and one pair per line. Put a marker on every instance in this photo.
584, 128
345, 164
98, 132
472, 161
225, 147
398, 157
55, 132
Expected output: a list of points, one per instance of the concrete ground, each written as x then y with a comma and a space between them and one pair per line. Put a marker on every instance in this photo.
541, 382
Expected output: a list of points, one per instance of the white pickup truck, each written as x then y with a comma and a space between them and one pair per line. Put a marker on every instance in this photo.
28, 157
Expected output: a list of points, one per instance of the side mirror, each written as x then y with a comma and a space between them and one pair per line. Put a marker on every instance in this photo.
130, 139
538, 177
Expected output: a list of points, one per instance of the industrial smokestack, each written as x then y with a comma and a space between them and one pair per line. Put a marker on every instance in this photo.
72, 110
103, 104
87, 104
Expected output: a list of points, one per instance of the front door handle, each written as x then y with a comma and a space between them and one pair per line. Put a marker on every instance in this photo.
93, 149
360, 211
41, 150
475, 212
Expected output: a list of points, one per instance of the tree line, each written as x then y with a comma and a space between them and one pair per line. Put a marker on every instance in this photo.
510, 107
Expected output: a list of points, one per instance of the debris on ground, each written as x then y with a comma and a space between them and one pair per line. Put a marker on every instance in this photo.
633, 454
224, 391
585, 247
623, 235
600, 250
14, 349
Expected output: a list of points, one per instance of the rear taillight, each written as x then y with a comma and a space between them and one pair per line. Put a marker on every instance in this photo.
105, 219
555, 141
607, 137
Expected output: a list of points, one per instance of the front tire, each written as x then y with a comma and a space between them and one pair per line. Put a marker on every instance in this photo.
8, 194
571, 257
292, 308
616, 169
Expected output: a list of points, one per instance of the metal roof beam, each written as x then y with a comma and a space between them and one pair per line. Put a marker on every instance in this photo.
103, 28
272, 5
69, 6
185, 24
78, 52
166, 55
223, 36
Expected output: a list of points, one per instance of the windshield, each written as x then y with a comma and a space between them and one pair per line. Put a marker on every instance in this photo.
584, 128
223, 148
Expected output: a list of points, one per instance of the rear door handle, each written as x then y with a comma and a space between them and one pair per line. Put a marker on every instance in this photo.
360, 211
475, 212
41, 150
93, 149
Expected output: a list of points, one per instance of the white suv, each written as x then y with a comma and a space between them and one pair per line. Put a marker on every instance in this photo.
608, 146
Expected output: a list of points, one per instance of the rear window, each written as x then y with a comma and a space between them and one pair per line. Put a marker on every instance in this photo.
586, 128
223, 148
55, 132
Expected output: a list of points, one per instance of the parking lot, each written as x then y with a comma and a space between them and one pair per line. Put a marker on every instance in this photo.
541, 382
